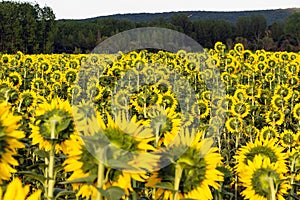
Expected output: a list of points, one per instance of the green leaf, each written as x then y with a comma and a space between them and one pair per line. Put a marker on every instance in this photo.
33, 175
58, 192
166, 186
114, 192
41, 153
63, 125
88, 179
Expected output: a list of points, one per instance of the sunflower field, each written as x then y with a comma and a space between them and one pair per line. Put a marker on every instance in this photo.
217, 124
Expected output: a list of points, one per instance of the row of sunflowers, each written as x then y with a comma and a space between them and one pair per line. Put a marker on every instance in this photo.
217, 124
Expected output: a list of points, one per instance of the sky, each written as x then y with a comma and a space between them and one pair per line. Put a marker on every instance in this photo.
81, 9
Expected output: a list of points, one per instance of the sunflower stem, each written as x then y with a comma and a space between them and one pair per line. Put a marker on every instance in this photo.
51, 181
178, 174
272, 190
100, 179
20, 105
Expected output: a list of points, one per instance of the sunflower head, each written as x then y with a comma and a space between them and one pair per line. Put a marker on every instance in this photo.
265, 148
263, 179
10, 136
53, 121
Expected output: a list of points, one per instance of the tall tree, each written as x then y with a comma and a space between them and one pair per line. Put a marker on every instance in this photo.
292, 25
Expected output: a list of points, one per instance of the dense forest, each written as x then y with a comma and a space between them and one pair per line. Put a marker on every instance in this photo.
31, 29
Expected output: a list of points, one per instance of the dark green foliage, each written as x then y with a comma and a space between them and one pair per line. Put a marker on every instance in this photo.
28, 28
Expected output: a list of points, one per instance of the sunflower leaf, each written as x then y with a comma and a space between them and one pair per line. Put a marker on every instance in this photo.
165, 185
33, 175
88, 179
114, 192
58, 192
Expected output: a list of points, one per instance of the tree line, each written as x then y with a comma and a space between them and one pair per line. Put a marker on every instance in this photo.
31, 29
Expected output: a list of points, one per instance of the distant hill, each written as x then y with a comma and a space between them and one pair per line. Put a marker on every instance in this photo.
270, 15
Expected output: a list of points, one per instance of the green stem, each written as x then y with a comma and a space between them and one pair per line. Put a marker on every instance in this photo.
178, 174
272, 195
51, 181
100, 179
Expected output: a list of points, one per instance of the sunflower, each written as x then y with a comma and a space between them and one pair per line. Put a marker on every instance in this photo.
239, 48
261, 67
267, 133
240, 109
27, 100
165, 122
264, 179
201, 108
70, 76
292, 68
121, 137
15, 190
122, 99
226, 78
16, 79
240, 94
198, 169
278, 102
44, 67
181, 54
38, 84
284, 90
252, 91
52, 120
163, 85
269, 77
251, 131
191, 67
130, 138
234, 124
146, 99
56, 76
94, 92
206, 96
296, 111
274, 117
168, 100
10, 136
266, 148
293, 81
288, 138
226, 102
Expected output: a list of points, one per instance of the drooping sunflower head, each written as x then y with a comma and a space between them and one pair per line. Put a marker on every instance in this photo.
52, 121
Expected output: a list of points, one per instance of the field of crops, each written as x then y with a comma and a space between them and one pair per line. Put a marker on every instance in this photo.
219, 124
